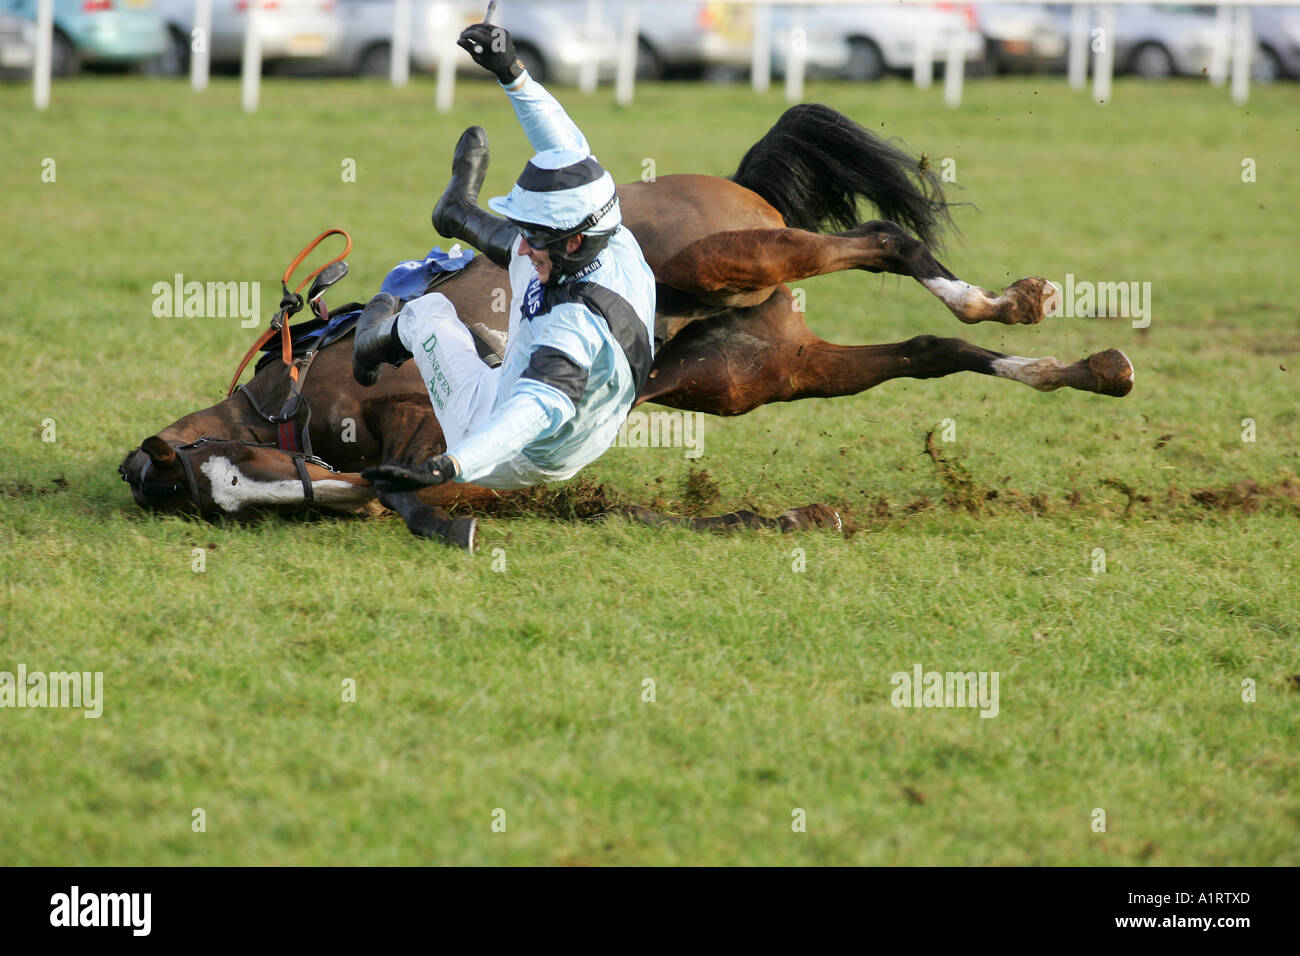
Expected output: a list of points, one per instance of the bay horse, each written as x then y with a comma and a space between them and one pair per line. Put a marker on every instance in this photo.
730, 336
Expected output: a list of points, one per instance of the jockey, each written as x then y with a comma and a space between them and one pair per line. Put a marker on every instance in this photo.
581, 331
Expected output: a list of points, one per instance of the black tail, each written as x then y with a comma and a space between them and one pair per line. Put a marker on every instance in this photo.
815, 164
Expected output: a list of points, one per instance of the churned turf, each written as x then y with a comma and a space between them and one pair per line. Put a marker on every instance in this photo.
610, 693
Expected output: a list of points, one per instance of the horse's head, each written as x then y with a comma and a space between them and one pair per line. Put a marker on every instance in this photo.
158, 479
215, 478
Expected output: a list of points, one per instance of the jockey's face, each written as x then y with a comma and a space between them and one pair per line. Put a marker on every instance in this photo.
541, 258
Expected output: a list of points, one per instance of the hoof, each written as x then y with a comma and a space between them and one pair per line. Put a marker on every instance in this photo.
1114, 373
811, 516
462, 533
1028, 300
433, 523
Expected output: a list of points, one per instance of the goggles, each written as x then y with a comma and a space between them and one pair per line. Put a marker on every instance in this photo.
541, 238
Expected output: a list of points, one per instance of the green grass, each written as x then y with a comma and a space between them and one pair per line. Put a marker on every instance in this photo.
522, 689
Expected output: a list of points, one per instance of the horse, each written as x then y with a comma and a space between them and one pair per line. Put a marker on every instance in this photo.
729, 334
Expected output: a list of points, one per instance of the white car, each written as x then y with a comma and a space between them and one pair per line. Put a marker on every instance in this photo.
863, 42
290, 30
367, 47
552, 39
17, 47
689, 38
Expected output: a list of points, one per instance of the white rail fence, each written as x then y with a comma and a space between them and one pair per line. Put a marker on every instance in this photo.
1231, 54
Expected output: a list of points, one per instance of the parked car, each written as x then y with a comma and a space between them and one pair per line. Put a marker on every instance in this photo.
98, 32
1022, 37
552, 38
827, 49
17, 46
689, 38
367, 45
290, 30
1278, 29
863, 42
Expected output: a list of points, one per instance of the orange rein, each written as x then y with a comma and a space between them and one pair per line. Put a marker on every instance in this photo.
280, 322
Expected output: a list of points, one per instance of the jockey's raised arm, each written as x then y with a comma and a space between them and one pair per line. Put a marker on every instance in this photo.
545, 123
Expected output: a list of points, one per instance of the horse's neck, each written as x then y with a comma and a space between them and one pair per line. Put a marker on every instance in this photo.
231, 418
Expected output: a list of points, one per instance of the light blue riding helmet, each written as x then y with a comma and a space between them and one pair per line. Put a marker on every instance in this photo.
562, 192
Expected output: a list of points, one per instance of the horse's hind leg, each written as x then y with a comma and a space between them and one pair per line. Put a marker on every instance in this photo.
742, 267
735, 362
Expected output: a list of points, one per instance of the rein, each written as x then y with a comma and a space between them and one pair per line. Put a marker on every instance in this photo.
291, 304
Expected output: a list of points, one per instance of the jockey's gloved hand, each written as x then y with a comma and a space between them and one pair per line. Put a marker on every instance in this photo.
436, 471
493, 49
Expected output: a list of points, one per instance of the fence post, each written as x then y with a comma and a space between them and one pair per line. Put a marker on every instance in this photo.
923, 51
1080, 13
954, 68
1103, 67
399, 50
443, 14
44, 54
588, 73
1242, 41
1222, 49
625, 85
760, 72
200, 60
795, 57
251, 67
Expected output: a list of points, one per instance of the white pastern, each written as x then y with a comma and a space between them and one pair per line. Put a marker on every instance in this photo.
233, 490
957, 294
1036, 373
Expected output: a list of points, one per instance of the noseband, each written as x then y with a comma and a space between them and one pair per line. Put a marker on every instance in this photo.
191, 483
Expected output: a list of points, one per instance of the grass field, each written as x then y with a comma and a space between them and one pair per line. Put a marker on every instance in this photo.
521, 690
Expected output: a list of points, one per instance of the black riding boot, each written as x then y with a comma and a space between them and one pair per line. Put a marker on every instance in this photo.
457, 214
377, 340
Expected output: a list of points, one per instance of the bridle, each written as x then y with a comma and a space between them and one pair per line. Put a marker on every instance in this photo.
291, 303
191, 483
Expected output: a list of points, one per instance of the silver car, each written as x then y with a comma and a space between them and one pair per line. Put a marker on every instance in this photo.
689, 38
553, 39
290, 30
1156, 42
1278, 29
863, 42
367, 47
1022, 37
17, 47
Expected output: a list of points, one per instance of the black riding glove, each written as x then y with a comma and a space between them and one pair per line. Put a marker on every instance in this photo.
436, 471
492, 49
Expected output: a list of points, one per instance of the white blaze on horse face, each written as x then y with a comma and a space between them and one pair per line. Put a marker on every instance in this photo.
233, 490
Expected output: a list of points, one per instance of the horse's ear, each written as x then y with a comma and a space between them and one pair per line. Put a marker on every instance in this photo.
159, 452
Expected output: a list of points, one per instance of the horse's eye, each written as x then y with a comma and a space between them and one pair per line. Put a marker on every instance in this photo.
234, 479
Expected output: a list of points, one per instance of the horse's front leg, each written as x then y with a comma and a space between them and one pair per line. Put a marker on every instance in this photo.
425, 521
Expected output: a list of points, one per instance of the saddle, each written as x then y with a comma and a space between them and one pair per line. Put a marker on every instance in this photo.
409, 280
315, 334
